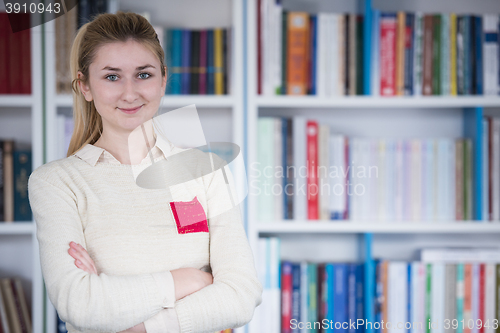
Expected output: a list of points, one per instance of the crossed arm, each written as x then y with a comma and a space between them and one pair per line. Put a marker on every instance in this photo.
186, 280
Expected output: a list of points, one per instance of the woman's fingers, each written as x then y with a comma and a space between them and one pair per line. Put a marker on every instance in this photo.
82, 258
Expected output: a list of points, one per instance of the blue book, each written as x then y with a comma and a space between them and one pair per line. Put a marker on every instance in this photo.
340, 297
467, 56
375, 76
408, 55
360, 285
22, 170
176, 67
351, 298
478, 30
314, 49
186, 55
210, 63
330, 283
296, 276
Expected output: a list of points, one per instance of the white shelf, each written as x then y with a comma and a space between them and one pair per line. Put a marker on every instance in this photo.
447, 227
380, 102
16, 100
17, 228
209, 101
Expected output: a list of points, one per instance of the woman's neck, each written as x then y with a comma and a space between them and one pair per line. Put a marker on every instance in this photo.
128, 147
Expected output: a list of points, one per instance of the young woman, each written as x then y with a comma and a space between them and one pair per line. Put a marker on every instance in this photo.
116, 257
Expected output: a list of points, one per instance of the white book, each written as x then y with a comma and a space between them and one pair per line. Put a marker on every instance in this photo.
397, 294
159, 32
334, 60
323, 172
265, 168
450, 187
372, 175
322, 55
416, 179
490, 54
428, 180
355, 161
338, 179
457, 255
275, 291
389, 180
277, 189
495, 183
277, 36
437, 297
255, 325
485, 176
299, 162
417, 314
417, 55
442, 176
61, 131
490, 302
380, 179
398, 179
69, 125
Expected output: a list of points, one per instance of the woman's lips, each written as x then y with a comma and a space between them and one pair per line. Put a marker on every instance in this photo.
130, 111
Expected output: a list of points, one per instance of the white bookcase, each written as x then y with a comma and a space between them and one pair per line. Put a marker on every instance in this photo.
21, 119
369, 117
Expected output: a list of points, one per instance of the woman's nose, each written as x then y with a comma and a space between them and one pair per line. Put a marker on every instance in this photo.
130, 91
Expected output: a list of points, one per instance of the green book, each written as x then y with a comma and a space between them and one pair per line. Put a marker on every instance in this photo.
460, 297
428, 285
284, 34
436, 55
312, 315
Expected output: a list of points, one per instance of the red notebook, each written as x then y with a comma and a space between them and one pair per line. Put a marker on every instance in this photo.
189, 216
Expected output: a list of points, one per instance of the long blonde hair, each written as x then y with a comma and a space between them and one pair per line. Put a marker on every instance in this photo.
103, 29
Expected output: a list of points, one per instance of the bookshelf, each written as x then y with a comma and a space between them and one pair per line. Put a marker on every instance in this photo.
368, 116
21, 119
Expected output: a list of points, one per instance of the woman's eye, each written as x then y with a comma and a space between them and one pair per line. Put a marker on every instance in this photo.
111, 76
148, 75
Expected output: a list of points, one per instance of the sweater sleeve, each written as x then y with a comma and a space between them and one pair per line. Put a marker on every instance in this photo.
88, 301
236, 290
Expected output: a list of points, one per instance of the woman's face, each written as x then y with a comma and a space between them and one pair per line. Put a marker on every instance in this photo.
125, 84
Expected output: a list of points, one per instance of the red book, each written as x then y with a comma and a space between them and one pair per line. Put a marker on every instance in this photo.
312, 174
15, 75
286, 296
202, 90
482, 298
25, 60
5, 31
189, 216
259, 48
388, 25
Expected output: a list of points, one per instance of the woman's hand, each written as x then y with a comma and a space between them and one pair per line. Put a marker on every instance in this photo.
189, 280
82, 258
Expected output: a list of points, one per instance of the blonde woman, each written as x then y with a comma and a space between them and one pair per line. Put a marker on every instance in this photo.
114, 256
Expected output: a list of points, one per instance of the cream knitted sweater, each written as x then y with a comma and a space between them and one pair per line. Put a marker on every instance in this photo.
132, 237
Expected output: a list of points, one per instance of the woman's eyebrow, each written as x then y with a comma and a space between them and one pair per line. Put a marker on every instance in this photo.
140, 68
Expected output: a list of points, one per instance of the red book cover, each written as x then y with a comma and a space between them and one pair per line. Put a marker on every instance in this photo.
15, 56
312, 175
5, 31
388, 25
467, 295
25, 46
286, 296
482, 287
259, 48
202, 90
189, 216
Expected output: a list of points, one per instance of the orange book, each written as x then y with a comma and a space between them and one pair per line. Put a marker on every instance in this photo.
385, 291
467, 296
400, 53
297, 52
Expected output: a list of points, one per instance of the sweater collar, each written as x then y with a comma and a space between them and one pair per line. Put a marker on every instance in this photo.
91, 154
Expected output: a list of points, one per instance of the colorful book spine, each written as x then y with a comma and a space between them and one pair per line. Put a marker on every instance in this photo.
388, 26
312, 176
218, 61
297, 53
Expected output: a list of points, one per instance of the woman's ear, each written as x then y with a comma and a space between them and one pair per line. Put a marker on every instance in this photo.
84, 88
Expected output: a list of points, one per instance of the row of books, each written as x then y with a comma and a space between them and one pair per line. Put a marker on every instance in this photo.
435, 54
304, 172
15, 56
412, 53
15, 169
198, 61
14, 309
461, 285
